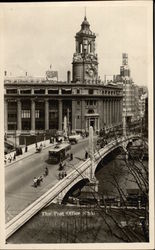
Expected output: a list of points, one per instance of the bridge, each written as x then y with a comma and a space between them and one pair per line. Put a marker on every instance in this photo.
85, 171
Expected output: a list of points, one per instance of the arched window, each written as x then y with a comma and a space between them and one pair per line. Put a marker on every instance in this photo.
80, 47
89, 48
91, 111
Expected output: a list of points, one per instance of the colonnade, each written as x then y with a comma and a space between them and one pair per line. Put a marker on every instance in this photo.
32, 116
112, 112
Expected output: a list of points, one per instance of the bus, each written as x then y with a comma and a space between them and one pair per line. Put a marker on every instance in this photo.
59, 153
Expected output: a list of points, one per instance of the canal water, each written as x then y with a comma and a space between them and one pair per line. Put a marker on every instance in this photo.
89, 223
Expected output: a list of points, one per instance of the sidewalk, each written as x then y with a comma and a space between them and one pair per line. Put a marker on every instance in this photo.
31, 151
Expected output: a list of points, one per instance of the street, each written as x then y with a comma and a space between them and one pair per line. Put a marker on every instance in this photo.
19, 188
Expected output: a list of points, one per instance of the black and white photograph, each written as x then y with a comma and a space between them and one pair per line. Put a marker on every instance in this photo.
77, 157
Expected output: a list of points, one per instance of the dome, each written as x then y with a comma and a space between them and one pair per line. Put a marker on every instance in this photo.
85, 23
85, 28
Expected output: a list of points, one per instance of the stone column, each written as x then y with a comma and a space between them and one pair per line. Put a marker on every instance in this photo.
32, 116
5, 116
117, 113
110, 113
73, 115
105, 112
114, 112
19, 111
46, 114
60, 115
98, 120
82, 115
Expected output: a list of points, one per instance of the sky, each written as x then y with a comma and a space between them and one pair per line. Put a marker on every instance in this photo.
37, 35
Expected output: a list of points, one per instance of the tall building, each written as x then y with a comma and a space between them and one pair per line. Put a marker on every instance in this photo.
85, 61
124, 79
34, 104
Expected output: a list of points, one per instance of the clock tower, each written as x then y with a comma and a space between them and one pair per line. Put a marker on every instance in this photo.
85, 61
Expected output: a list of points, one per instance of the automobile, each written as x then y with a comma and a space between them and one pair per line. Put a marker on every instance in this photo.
73, 139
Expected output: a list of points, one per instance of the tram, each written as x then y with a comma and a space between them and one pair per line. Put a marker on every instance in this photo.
59, 153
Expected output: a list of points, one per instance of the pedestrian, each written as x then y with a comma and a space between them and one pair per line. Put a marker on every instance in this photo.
38, 181
14, 156
86, 155
41, 178
71, 157
46, 171
35, 182
65, 174
10, 158
60, 166
5, 160
36, 145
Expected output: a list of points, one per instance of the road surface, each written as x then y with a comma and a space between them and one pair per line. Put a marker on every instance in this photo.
19, 190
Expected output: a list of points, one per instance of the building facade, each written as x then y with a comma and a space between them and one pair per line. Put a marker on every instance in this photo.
130, 102
39, 104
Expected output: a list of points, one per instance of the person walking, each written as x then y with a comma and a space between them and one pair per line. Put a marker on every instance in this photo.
71, 156
46, 171
86, 155
35, 182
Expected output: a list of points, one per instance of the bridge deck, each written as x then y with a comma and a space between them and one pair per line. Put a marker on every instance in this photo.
19, 220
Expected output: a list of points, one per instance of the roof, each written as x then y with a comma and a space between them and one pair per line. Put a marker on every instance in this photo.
85, 28
59, 147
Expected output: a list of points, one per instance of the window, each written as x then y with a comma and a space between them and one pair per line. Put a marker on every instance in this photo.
78, 102
12, 115
25, 91
39, 91
90, 91
36, 113
94, 103
12, 126
66, 91
11, 91
78, 117
91, 102
26, 114
78, 91
53, 91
